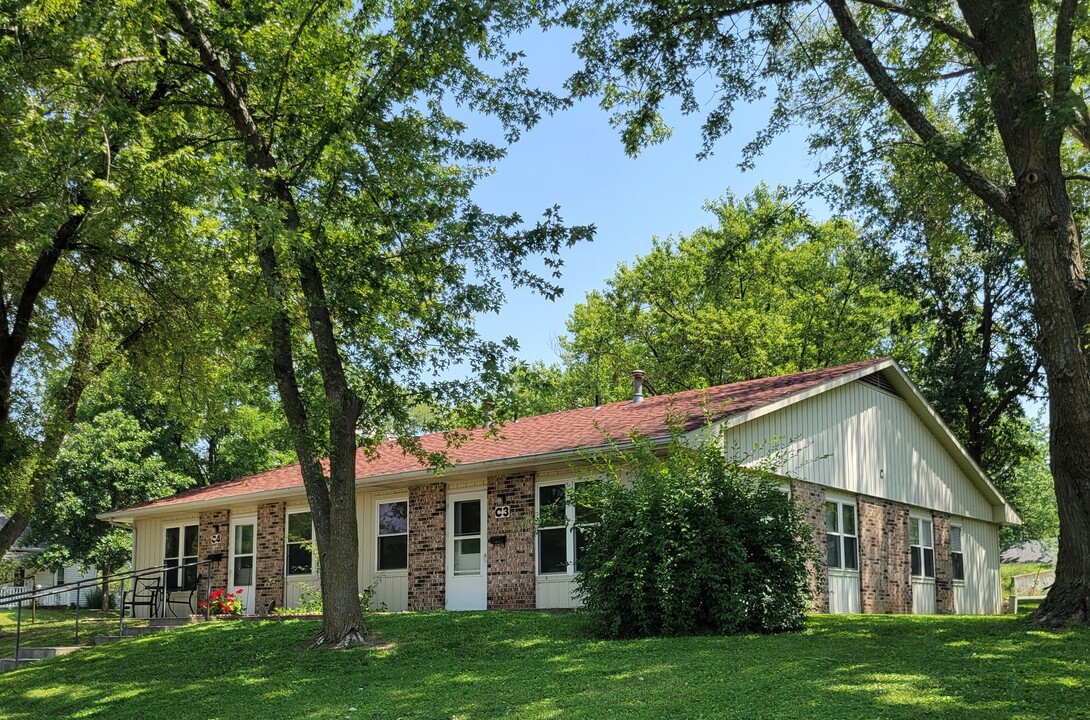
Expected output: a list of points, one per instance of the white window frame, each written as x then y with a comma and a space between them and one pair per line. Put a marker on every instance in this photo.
959, 552
841, 535
182, 558
378, 504
288, 543
926, 544
570, 539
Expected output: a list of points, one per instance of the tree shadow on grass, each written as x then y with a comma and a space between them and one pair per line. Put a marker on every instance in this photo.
531, 665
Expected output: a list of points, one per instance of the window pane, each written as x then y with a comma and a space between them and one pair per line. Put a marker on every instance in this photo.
172, 545
851, 553
926, 534
553, 551
916, 562
244, 539
831, 524
584, 514
955, 538
190, 578
550, 495
172, 576
300, 559
393, 518
189, 547
913, 532
393, 552
580, 546
958, 562
467, 517
299, 527
849, 520
467, 556
244, 570
929, 563
832, 550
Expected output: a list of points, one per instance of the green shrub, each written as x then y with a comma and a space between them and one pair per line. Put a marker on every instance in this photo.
690, 543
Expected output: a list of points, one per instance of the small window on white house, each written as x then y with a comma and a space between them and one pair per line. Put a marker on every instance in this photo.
957, 559
300, 543
561, 539
923, 547
60, 576
393, 535
552, 533
841, 536
179, 550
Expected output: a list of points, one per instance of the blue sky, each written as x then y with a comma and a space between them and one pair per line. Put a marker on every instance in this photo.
575, 159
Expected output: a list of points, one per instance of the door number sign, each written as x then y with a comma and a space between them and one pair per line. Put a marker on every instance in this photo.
502, 511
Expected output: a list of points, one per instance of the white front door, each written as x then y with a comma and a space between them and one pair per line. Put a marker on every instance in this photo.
243, 543
467, 575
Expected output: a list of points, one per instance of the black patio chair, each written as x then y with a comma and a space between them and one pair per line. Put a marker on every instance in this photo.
146, 592
182, 598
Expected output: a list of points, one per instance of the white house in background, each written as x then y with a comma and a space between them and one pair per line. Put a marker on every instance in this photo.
22, 573
909, 522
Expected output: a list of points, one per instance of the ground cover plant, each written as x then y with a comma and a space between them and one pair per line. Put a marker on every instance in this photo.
541, 665
56, 626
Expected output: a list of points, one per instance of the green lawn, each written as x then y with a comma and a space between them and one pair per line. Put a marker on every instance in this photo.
56, 627
1007, 571
536, 665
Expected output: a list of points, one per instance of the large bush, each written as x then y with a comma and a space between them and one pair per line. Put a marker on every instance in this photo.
690, 542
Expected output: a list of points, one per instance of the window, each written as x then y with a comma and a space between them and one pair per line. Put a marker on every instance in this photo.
300, 544
393, 535
841, 537
923, 547
60, 576
179, 549
957, 559
561, 540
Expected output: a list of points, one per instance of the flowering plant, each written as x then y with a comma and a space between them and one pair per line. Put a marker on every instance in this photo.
224, 603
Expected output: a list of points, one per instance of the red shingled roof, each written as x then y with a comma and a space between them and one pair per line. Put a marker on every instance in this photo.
568, 430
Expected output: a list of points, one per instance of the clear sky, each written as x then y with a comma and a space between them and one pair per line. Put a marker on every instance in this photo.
575, 159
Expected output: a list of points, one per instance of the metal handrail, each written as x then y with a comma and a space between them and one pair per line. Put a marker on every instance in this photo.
33, 594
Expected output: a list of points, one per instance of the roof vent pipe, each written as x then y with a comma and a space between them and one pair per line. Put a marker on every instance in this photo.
637, 385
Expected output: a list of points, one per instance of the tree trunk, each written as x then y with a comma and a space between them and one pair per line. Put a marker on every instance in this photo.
103, 576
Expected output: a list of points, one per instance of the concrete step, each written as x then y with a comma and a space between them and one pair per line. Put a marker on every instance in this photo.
38, 653
128, 632
13, 664
169, 622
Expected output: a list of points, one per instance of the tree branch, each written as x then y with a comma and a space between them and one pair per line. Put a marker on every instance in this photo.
991, 194
951, 31
1064, 72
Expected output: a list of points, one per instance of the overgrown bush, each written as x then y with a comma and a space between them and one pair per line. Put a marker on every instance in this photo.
690, 543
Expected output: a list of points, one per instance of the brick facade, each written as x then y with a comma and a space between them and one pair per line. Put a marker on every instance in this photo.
810, 500
213, 536
269, 563
512, 584
427, 546
944, 565
885, 556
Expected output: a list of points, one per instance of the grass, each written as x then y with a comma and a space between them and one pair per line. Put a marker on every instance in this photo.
537, 665
56, 627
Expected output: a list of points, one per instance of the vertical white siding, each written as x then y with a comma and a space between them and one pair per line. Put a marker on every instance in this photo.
556, 591
980, 593
861, 440
923, 596
844, 595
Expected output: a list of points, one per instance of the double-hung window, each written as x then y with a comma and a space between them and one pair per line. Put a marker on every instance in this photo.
561, 540
393, 535
180, 549
957, 559
923, 547
841, 536
300, 543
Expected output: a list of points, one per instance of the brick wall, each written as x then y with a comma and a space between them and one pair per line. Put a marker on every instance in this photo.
212, 524
944, 566
269, 563
427, 546
512, 584
884, 556
810, 500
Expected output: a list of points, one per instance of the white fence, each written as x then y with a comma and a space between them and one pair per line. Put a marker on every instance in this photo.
64, 599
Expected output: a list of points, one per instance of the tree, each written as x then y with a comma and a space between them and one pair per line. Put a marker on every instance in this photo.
955, 76
692, 542
346, 183
766, 291
87, 221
